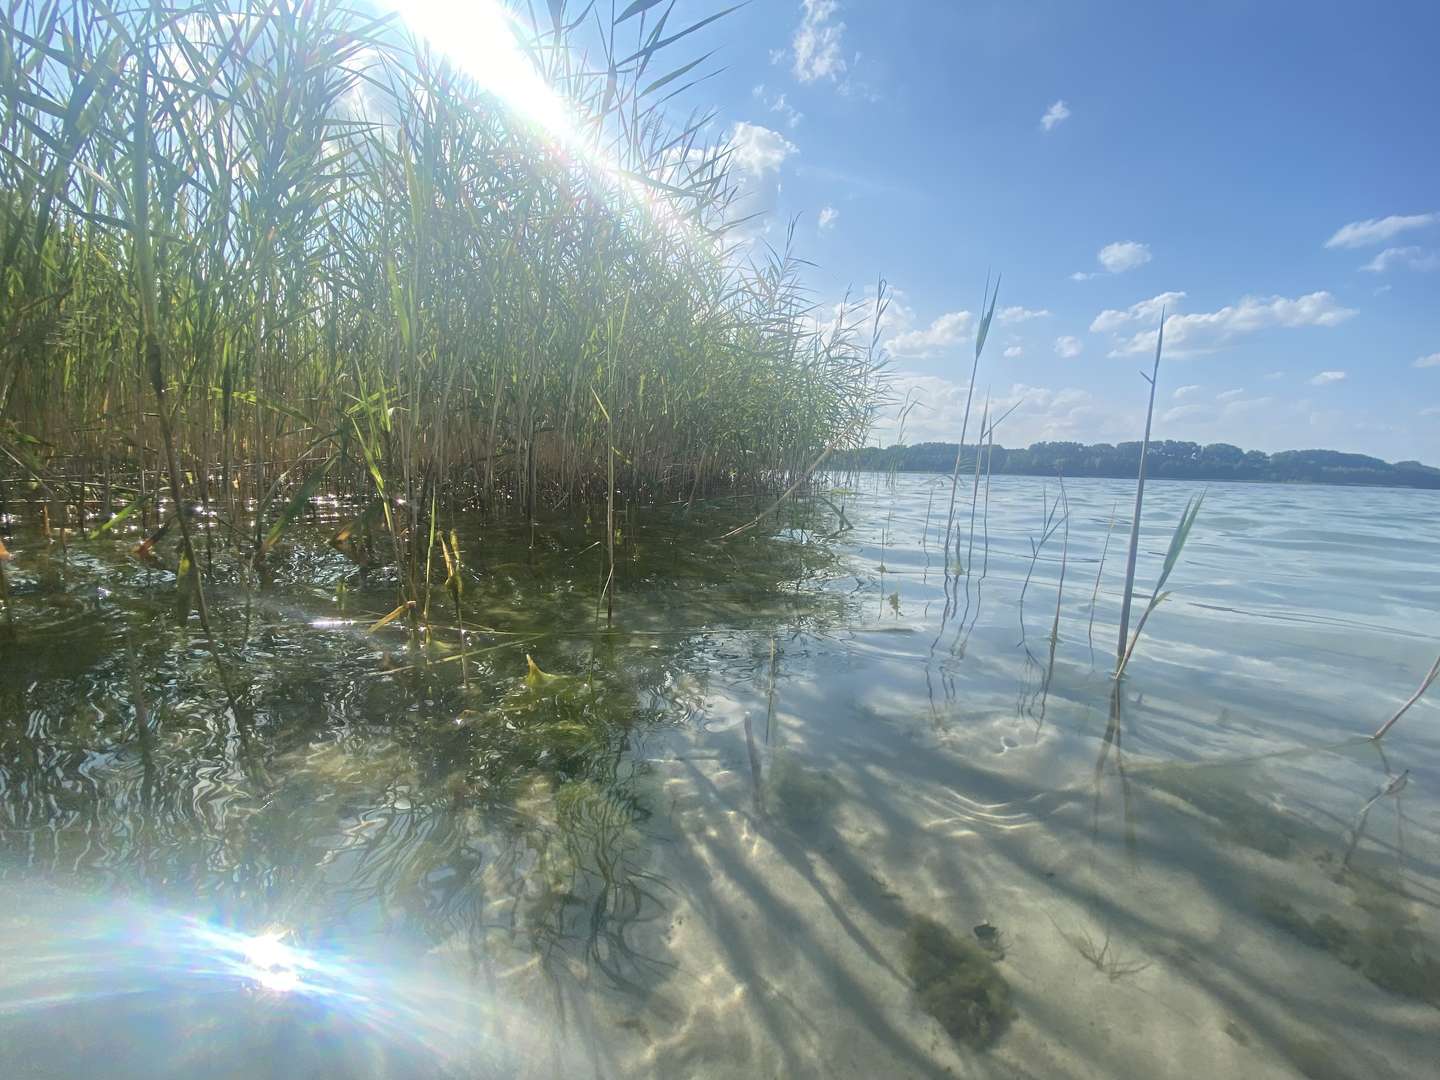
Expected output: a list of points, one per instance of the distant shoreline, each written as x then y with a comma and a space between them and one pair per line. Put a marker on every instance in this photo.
1166, 460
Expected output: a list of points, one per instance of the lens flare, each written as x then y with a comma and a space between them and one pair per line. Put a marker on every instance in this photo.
273, 962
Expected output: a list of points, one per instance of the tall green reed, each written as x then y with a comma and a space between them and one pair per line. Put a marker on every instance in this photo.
253, 254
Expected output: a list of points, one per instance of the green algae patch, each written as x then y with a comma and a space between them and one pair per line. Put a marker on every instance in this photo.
1390, 954
957, 983
804, 795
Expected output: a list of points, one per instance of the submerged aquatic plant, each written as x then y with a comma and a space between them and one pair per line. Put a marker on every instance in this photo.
957, 983
1389, 952
1098, 952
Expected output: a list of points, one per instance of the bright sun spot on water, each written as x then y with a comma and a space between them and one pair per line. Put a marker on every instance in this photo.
273, 964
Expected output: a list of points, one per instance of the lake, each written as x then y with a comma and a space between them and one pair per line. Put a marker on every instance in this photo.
816, 805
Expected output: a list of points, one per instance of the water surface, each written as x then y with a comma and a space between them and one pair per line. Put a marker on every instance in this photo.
699, 845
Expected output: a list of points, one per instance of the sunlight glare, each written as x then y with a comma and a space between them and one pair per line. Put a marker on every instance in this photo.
272, 963
477, 35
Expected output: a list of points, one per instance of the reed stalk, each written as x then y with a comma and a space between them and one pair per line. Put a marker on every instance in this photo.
1425, 684
1120, 650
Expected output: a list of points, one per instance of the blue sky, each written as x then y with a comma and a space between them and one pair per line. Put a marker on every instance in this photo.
1270, 171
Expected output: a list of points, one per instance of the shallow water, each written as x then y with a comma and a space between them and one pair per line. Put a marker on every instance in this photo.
700, 848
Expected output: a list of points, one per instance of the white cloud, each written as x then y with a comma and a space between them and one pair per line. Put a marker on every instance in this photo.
1273, 376
1042, 413
1411, 258
778, 104
1014, 351
1123, 255
816, 46
949, 329
859, 312
1067, 347
1210, 330
1116, 258
1183, 391
1020, 314
1229, 395
1433, 360
1378, 230
828, 216
1434, 410
1055, 115
757, 153
759, 150
1146, 311
1245, 405
1324, 378
1180, 412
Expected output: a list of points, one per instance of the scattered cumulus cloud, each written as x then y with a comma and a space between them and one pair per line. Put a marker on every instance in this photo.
1067, 347
1116, 258
1020, 314
1123, 255
1042, 413
828, 216
859, 313
1408, 258
1184, 391
759, 150
1325, 378
1230, 395
1055, 115
1146, 311
1240, 406
1274, 376
1433, 360
1013, 352
758, 153
1204, 331
1360, 234
949, 329
777, 103
817, 49
1181, 412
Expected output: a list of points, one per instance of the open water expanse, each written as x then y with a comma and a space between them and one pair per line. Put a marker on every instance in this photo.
819, 805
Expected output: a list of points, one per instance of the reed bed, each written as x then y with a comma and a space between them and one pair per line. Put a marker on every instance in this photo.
255, 254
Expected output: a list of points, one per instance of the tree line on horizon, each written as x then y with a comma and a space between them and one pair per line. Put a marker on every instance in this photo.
1167, 459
